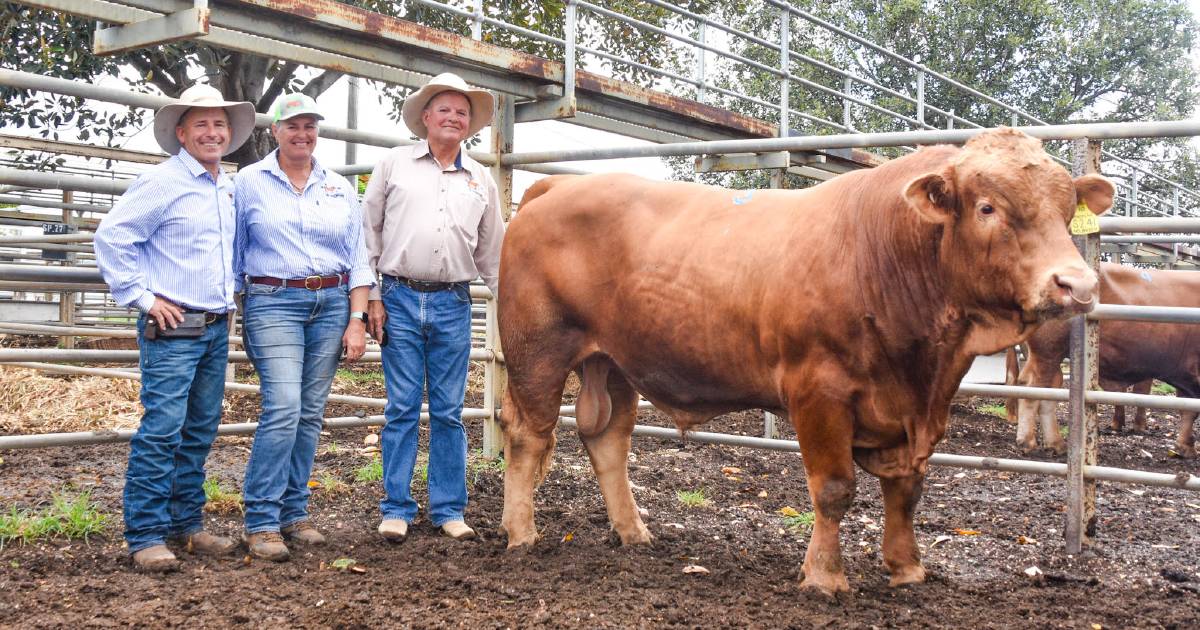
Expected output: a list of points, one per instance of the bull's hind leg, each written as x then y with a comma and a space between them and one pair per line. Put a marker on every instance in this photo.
530, 415
901, 555
608, 448
825, 432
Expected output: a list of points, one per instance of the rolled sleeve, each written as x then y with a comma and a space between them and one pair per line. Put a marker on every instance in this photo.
491, 238
118, 240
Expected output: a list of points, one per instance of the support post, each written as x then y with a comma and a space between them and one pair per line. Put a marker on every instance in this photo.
352, 119
921, 97
495, 376
66, 299
1085, 375
785, 37
700, 71
847, 112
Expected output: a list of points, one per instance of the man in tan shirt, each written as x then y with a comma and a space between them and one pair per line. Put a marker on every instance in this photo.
432, 225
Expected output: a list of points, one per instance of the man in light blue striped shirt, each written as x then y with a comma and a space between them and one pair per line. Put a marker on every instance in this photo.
167, 248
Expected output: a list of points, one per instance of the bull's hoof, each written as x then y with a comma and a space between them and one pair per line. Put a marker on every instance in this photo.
908, 575
1186, 452
638, 536
1027, 448
1057, 449
526, 539
828, 585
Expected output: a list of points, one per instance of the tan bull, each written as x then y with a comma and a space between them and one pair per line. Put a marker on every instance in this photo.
854, 307
1131, 353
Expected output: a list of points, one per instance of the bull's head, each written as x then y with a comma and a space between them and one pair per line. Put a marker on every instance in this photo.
1004, 206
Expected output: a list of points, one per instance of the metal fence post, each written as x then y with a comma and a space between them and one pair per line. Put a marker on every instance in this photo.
700, 70
847, 114
495, 376
785, 44
477, 21
921, 97
66, 299
1085, 375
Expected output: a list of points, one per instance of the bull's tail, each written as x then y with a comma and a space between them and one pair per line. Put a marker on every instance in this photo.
540, 187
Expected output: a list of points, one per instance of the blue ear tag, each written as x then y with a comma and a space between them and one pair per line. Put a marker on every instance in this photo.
1145, 275
742, 198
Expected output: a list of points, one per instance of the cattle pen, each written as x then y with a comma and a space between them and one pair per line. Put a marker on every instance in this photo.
402, 55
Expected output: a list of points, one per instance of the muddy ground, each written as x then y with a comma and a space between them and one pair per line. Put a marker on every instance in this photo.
980, 532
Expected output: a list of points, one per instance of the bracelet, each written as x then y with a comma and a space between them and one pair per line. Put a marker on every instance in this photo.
359, 315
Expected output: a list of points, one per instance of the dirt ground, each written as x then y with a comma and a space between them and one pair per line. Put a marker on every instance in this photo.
980, 531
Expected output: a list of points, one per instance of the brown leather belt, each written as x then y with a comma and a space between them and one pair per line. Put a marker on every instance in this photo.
425, 286
312, 283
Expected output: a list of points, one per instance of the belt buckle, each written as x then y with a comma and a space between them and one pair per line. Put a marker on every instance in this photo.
210, 318
316, 283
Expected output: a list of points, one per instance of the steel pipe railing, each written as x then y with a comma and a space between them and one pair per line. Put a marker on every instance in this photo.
1093, 131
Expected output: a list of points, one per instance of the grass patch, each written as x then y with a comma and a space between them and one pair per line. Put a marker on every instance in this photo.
330, 485
67, 516
478, 465
370, 472
693, 498
800, 522
360, 377
221, 500
1162, 388
993, 410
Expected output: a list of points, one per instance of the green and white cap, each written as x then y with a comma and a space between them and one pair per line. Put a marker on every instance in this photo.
297, 104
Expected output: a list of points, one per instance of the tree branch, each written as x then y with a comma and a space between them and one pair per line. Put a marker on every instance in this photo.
278, 84
321, 82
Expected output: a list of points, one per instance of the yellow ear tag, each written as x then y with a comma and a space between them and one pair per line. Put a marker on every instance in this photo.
1084, 221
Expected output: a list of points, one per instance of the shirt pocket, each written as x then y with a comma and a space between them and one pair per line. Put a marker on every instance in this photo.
466, 206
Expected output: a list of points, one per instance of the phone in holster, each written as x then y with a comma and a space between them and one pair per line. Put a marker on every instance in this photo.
192, 326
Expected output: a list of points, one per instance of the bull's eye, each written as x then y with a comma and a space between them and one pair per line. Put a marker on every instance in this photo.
987, 210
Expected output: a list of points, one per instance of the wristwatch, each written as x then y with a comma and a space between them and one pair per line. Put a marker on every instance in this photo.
359, 315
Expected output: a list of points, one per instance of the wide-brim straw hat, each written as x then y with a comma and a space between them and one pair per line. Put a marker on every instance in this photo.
241, 117
483, 106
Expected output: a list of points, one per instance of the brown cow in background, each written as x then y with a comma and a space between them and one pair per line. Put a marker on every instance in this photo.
855, 307
1130, 352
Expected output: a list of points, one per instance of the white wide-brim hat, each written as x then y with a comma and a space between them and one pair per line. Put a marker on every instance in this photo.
241, 117
482, 104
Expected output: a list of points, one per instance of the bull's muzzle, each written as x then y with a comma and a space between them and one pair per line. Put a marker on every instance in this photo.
1076, 290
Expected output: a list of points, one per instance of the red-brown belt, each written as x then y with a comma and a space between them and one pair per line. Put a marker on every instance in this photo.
312, 283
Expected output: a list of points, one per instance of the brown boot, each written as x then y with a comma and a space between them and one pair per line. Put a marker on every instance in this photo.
266, 546
303, 532
155, 559
205, 543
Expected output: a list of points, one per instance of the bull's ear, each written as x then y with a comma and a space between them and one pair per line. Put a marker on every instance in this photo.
932, 197
1094, 190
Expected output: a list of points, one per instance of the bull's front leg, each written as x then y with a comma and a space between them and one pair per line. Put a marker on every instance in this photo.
1184, 444
825, 433
901, 555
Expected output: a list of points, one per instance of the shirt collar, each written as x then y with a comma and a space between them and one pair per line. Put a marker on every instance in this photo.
274, 167
421, 149
195, 167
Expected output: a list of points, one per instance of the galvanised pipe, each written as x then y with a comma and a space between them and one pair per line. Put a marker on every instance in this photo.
1182, 480
10, 355
1091, 131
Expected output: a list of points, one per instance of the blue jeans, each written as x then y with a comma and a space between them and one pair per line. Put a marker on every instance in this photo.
183, 383
294, 338
429, 342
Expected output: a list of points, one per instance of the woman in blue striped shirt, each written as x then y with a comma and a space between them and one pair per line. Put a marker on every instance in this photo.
299, 255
